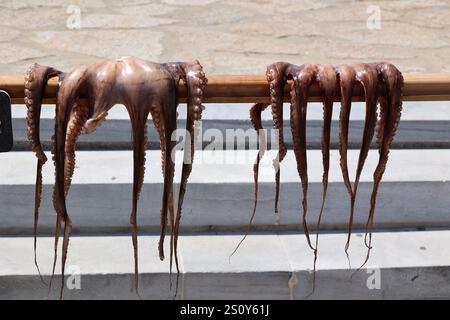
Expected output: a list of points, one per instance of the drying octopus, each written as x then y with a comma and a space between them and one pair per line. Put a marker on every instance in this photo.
84, 98
333, 81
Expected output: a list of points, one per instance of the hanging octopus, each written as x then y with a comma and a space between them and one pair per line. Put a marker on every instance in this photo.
84, 98
333, 82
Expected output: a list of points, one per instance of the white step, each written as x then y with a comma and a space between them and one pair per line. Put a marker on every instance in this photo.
407, 265
414, 192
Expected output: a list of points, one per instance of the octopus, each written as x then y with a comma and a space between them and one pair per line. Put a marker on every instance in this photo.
334, 82
84, 98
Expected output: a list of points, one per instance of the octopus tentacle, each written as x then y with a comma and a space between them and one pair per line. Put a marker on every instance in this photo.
66, 235
303, 78
368, 77
175, 222
384, 110
255, 118
77, 118
139, 125
158, 122
64, 106
276, 76
347, 78
58, 228
169, 116
326, 77
195, 82
36, 79
58, 219
389, 120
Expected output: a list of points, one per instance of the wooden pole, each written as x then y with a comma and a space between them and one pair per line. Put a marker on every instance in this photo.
254, 88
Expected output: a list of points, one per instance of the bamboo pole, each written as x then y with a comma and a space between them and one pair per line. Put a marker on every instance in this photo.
254, 88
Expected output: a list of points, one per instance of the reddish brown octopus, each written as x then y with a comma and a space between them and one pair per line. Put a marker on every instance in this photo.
84, 98
333, 81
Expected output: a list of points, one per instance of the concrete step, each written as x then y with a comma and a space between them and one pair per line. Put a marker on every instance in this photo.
403, 265
115, 134
414, 192
412, 110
